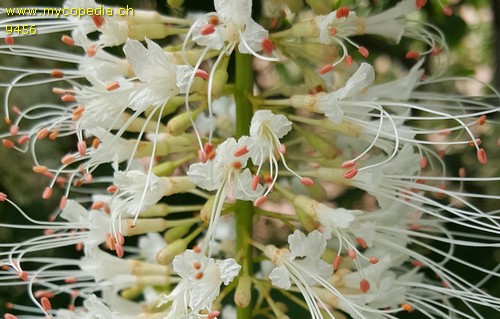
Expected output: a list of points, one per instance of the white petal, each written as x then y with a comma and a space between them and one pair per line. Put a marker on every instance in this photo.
228, 269
279, 278
253, 36
236, 11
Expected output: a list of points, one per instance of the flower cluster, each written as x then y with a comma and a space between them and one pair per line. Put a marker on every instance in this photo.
179, 179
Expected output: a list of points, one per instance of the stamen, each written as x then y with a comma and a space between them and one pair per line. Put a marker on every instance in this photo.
351, 173
202, 156
47, 193
481, 120
68, 159
9, 40
236, 165
82, 148
120, 239
255, 182
347, 164
53, 135
267, 45
40, 169
351, 253
112, 189
407, 307
421, 3
201, 74
57, 73
196, 265
91, 50
214, 20
373, 260
43, 133
23, 139
214, 314
112, 86
3, 197
8, 143
13, 130
95, 143
70, 280
199, 275
58, 91
333, 32
361, 242
43, 293
68, 98
342, 12
63, 202
436, 51
197, 249
207, 29
259, 201
68, 40
481, 156
307, 181
336, 262
241, 151
423, 162
23, 275
88, 178
363, 51
98, 20
98, 205
412, 55
9, 316
348, 60
461, 172
364, 286
325, 69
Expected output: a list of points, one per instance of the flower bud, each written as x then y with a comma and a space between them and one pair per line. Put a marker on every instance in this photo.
158, 210
131, 293
317, 191
220, 78
180, 123
243, 293
320, 144
165, 168
306, 212
145, 225
176, 232
167, 254
151, 31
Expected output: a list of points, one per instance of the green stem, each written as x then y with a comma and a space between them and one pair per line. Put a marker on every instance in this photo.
244, 209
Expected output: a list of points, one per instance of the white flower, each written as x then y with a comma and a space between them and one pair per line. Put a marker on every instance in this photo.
200, 284
223, 120
155, 69
111, 149
149, 246
235, 26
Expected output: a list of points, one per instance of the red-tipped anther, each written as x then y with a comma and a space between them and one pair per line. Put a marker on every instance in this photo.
47, 193
481, 156
13, 130
348, 60
241, 151
213, 20
198, 275
68, 159
82, 148
342, 12
46, 304
421, 3
88, 178
255, 182
68, 40
43, 293
440, 195
119, 250
306, 181
236, 165
70, 280
436, 51
364, 285
98, 205
211, 155
48, 174
57, 73
447, 11
98, 20
8, 143
79, 247
111, 86
207, 29
423, 162
407, 307
112, 189
7, 120
202, 156
91, 50
3, 197
348, 164
268, 178
9, 316
363, 51
412, 55
53, 135
282, 148
120, 239
351, 253
58, 91
361, 242
9, 40
197, 249
43, 133
68, 98
336, 262
472, 144
214, 314
259, 201
39, 169
23, 275
325, 69
196, 265
373, 260
267, 45
208, 147
441, 153
202, 74
96, 142
351, 173
481, 120
333, 32
63, 202
461, 172
23, 139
